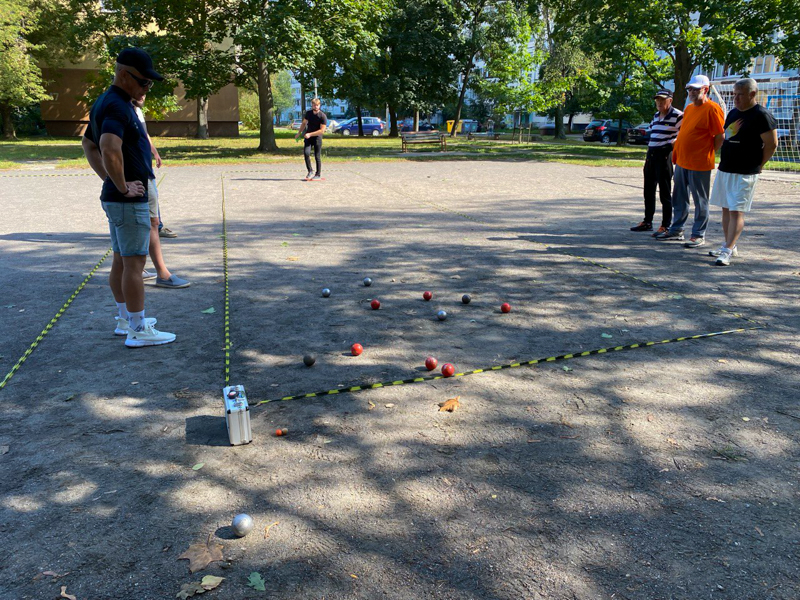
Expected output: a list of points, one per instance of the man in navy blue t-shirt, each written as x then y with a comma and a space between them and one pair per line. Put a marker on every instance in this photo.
118, 150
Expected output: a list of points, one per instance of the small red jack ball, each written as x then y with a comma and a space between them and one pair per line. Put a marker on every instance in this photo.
448, 370
280, 432
427, 295
431, 363
505, 307
375, 304
356, 349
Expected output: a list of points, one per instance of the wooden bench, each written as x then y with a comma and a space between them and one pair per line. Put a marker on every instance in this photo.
423, 137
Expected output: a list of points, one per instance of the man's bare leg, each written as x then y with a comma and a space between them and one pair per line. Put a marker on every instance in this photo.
155, 251
115, 279
726, 217
735, 227
132, 282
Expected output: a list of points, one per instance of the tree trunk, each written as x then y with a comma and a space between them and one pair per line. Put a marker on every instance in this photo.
202, 118
559, 128
622, 134
569, 122
360, 121
302, 99
461, 100
416, 120
266, 111
393, 131
9, 133
683, 73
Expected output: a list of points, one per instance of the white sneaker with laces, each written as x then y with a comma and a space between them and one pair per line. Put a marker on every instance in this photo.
724, 258
148, 336
123, 326
718, 251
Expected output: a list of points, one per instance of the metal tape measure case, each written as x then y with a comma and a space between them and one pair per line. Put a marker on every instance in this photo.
237, 415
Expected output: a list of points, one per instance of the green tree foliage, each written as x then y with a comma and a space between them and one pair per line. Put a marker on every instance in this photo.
271, 37
249, 111
20, 78
190, 43
486, 29
673, 38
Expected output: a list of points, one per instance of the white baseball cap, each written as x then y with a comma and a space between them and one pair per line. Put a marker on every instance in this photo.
698, 81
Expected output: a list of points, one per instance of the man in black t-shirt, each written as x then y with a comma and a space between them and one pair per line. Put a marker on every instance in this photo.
750, 141
315, 122
118, 150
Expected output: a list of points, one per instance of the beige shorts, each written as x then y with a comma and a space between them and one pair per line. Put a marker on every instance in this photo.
733, 191
152, 198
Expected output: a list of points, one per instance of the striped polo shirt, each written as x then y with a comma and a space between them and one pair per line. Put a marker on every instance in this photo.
664, 131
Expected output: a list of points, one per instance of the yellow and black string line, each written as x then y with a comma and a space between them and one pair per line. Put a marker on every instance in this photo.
61, 311
514, 365
227, 292
52, 322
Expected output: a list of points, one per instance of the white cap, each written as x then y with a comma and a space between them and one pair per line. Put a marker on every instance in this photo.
699, 81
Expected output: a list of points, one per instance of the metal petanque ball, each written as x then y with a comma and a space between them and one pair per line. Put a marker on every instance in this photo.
309, 360
367, 282
442, 315
242, 524
326, 293
466, 298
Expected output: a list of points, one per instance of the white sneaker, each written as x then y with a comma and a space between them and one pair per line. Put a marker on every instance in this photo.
123, 326
720, 249
148, 336
724, 258
148, 274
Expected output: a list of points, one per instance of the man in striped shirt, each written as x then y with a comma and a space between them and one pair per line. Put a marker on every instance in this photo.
658, 164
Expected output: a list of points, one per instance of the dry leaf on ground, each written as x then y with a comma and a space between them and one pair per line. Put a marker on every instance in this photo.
64, 594
450, 405
190, 589
210, 582
201, 554
268, 527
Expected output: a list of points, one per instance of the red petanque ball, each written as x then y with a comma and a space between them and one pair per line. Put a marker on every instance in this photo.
356, 349
431, 363
427, 295
448, 370
375, 304
505, 307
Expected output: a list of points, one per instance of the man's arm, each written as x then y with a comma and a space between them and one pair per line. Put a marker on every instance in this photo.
770, 139
320, 131
718, 140
153, 149
92, 153
300, 131
111, 156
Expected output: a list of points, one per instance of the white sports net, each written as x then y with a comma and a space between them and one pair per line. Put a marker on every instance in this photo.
782, 100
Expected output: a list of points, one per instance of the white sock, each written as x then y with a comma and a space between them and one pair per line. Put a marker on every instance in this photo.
122, 311
136, 320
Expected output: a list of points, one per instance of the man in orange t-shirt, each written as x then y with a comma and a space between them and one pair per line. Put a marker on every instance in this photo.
701, 135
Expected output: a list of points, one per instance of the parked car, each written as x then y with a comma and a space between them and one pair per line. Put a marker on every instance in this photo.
604, 131
404, 128
639, 134
296, 124
333, 125
372, 126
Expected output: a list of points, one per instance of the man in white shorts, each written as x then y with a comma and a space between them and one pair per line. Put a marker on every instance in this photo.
163, 276
750, 141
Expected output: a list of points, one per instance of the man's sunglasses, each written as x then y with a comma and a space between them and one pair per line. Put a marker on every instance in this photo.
145, 83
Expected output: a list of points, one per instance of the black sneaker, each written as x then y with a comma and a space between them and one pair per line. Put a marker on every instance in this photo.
643, 226
670, 235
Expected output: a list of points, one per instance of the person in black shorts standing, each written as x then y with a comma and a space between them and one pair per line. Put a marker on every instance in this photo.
315, 122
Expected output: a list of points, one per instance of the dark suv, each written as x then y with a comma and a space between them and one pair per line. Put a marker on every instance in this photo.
604, 131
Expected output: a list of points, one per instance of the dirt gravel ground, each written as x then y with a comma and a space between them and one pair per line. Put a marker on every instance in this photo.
668, 472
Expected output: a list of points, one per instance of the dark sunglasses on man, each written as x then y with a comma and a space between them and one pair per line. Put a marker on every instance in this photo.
145, 83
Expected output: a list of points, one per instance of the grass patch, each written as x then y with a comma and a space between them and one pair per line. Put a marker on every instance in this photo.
67, 152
